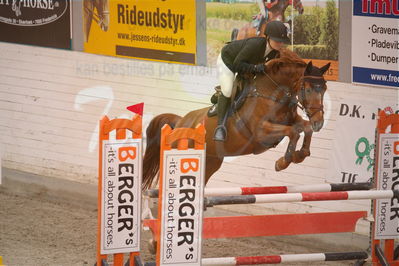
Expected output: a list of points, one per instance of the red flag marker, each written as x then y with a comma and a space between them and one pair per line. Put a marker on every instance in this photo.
137, 108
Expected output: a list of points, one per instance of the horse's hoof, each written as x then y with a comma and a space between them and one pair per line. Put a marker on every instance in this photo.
298, 157
152, 246
281, 164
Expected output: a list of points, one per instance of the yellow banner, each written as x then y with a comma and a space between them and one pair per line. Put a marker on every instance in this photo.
161, 30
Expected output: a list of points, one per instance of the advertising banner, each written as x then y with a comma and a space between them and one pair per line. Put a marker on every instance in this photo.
36, 22
313, 27
354, 139
375, 42
182, 207
121, 196
387, 211
146, 29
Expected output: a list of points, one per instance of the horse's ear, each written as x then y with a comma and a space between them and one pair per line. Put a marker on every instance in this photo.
325, 68
309, 67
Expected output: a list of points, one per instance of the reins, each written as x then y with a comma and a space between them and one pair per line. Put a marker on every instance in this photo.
289, 96
286, 90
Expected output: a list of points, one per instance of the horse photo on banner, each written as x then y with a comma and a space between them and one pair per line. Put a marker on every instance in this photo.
313, 27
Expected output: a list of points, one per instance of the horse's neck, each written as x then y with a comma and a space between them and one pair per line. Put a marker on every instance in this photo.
273, 81
277, 11
282, 5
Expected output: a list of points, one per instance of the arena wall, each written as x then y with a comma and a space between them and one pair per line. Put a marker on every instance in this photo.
51, 101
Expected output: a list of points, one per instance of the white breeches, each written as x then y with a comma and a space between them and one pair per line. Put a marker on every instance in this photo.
226, 77
261, 5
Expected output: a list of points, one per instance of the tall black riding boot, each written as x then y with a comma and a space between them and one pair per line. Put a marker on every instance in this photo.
221, 131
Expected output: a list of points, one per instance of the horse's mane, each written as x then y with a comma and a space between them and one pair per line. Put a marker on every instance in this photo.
284, 52
287, 57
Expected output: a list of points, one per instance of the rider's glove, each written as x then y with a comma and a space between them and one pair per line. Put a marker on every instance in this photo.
259, 69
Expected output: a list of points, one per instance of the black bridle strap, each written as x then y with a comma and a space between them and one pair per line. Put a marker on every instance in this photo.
306, 108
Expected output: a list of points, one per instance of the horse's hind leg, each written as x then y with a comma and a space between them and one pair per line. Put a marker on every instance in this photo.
212, 165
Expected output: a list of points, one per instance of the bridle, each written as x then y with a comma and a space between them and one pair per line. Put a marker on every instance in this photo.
288, 96
301, 101
291, 98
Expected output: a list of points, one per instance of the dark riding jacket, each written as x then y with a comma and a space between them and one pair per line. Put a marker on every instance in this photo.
241, 56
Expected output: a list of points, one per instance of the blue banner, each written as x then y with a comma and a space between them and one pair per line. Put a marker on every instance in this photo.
376, 76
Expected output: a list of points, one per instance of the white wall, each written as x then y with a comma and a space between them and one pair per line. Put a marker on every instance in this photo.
51, 101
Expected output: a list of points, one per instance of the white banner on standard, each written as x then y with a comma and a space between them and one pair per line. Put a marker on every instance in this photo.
387, 210
121, 196
353, 145
182, 207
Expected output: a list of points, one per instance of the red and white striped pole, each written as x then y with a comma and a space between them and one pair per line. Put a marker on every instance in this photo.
286, 189
291, 258
297, 197
236, 191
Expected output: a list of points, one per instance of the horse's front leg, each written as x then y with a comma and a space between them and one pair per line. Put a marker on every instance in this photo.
288, 157
272, 131
304, 152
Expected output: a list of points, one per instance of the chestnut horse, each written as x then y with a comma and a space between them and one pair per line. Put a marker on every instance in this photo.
101, 16
268, 114
275, 12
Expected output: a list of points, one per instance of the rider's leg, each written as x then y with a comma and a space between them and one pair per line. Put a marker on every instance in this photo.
262, 7
258, 29
226, 79
263, 12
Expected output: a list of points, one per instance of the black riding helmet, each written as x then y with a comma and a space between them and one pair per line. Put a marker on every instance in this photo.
277, 31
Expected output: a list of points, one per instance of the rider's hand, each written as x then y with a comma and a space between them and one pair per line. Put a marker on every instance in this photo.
260, 69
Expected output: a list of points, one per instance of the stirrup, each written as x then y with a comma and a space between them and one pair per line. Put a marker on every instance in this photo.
220, 133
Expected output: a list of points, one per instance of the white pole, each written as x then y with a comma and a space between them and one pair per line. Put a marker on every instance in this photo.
292, 28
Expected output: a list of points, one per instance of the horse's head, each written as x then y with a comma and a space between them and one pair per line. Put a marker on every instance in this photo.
282, 5
311, 93
298, 6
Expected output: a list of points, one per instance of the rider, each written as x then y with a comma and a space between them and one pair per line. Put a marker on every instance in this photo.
241, 57
264, 12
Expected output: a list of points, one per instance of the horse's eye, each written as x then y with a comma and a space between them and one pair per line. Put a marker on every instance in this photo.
318, 87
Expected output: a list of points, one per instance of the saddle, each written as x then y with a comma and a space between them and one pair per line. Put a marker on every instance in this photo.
241, 88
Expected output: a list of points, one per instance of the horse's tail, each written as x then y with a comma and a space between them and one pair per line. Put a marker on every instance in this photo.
152, 151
